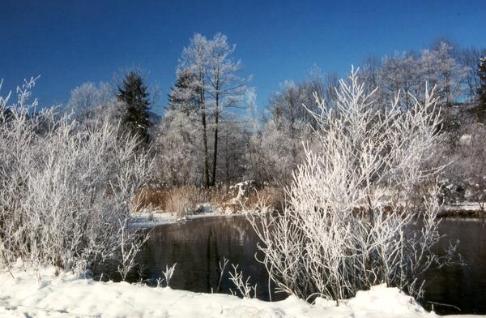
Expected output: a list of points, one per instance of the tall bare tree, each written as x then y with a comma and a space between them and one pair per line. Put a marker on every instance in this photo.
216, 85
225, 87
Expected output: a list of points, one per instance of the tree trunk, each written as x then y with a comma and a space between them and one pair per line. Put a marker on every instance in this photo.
227, 159
205, 138
216, 128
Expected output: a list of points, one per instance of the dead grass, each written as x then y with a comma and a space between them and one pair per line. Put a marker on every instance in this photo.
271, 197
181, 200
186, 200
150, 198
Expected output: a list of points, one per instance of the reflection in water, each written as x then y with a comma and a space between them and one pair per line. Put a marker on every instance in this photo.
199, 245
461, 286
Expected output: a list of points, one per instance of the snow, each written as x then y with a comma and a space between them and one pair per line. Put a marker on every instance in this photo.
147, 219
43, 294
150, 218
473, 206
465, 140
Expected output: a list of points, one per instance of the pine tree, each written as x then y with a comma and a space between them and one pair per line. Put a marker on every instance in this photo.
183, 95
134, 97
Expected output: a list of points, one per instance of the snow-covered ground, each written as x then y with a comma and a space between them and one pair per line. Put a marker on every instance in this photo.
464, 210
148, 218
473, 206
42, 294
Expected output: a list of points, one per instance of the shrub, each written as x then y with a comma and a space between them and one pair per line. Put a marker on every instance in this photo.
65, 188
369, 159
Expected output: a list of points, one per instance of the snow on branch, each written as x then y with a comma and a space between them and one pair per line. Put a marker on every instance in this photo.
350, 221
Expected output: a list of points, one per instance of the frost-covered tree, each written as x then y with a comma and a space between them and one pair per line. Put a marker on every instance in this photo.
287, 104
194, 60
439, 67
468, 58
400, 73
348, 224
482, 84
183, 95
215, 85
407, 72
226, 88
370, 73
133, 97
178, 149
288, 126
281, 148
92, 104
88, 96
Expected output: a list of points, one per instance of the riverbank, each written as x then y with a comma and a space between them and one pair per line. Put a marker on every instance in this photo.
464, 210
148, 218
43, 294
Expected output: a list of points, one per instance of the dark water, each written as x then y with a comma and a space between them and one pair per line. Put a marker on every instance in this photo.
198, 246
461, 286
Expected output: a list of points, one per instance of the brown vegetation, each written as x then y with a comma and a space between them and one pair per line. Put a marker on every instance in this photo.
186, 200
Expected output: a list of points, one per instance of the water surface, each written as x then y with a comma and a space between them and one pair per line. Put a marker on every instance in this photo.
198, 246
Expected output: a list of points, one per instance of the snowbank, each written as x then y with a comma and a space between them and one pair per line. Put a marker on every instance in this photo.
147, 218
151, 219
27, 294
464, 210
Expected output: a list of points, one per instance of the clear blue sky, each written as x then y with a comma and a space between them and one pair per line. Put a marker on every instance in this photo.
70, 42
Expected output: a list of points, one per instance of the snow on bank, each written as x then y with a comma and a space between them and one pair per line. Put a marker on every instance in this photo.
464, 210
28, 294
147, 218
151, 219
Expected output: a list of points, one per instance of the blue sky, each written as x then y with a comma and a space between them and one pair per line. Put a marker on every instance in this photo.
71, 42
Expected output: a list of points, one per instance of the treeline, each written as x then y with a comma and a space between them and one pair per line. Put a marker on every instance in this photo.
210, 133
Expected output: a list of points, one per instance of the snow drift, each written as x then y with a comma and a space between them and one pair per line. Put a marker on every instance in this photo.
43, 294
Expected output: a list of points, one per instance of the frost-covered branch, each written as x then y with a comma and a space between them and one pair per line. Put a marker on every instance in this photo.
66, 187
351, 215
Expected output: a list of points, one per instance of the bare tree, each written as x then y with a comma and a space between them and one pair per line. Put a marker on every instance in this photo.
216, 86
226, 89
408, 71
469, 58
289, 125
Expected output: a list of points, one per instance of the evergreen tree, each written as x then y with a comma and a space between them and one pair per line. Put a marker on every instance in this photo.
183, 95
134, 97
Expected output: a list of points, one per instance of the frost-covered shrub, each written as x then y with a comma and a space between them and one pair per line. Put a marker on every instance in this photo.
348, 223
65, 188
